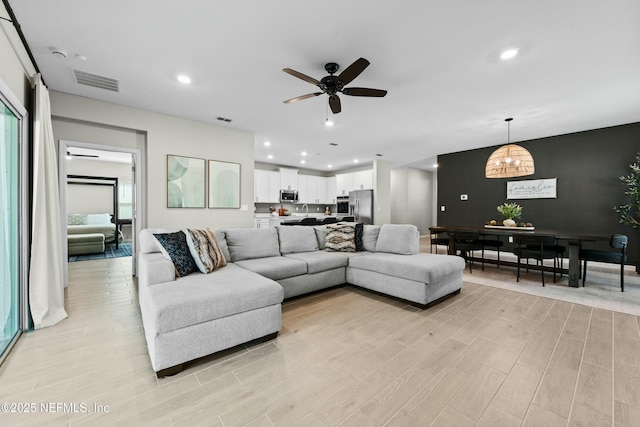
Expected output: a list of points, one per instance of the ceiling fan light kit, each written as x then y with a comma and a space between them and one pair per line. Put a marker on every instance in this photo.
332, 84
509, 161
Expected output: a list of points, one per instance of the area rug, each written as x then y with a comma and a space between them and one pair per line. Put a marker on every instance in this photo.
602, 289
124, 249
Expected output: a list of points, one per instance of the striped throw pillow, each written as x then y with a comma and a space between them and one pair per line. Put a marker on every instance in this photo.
205, 250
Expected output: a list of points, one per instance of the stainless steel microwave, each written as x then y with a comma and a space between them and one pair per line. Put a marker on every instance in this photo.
288, 196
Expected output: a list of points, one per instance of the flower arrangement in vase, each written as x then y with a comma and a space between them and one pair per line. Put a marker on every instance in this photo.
510, 212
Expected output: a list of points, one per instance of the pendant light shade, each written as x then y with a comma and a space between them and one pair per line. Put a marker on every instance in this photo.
510, 160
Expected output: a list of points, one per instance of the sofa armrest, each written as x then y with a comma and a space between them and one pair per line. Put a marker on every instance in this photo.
154, 268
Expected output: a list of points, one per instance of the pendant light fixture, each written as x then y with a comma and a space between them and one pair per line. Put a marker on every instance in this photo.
509, 161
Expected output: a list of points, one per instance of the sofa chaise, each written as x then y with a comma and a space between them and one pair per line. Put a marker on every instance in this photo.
189, 317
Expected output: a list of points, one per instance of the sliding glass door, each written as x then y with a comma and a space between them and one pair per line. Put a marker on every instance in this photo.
11, 297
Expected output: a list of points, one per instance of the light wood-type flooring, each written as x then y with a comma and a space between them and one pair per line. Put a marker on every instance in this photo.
348, 357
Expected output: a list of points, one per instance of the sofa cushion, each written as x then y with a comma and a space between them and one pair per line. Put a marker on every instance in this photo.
370, 237
319, 261
297, 238
321, 236
425, 268
205, 250
341, 237
204, 297
400, 239
174, 247
275, 268
249, 243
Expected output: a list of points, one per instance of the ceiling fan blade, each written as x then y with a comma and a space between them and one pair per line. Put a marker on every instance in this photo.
363, 91
334, 103
353, 70
301, 76
300, 98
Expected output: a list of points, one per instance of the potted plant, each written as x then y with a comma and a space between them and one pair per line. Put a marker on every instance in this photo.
630, 213
510, 212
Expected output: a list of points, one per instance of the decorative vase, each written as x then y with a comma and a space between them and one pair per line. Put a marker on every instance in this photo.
509, 222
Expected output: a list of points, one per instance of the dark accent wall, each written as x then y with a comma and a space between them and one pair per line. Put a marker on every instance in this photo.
587, 165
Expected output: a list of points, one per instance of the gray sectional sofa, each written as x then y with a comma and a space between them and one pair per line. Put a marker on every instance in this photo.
190, 317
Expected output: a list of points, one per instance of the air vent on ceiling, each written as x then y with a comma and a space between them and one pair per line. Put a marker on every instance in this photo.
333, 144
224, 119
95, 80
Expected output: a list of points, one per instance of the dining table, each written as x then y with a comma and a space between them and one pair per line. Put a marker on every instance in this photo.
574, 241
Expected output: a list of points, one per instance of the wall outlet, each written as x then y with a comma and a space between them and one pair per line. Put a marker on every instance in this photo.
442, 208
245, 207
510, 239
464, 197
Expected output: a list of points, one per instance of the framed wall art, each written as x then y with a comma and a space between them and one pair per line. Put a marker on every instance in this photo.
185, 182
224, 185
532, 189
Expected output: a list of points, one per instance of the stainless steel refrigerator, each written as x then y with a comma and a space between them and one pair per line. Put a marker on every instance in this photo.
361, 205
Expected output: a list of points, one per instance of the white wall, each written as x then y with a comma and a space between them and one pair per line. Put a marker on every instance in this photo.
412, 198
382, 193
94, 198
76, 117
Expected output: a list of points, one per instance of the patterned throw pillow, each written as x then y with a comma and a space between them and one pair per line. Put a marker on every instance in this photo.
341, 237
77, 219
174, 247
205, 250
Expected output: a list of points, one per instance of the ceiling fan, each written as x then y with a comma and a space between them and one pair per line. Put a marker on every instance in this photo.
332, 85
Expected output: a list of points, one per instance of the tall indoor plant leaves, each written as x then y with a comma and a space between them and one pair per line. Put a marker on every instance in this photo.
630, 213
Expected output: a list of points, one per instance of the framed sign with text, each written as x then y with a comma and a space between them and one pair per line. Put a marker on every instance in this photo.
532, 189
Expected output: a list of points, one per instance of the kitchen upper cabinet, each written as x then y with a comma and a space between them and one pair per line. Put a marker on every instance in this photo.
363, 180
266, 186
288, 179
330, 190
321, 189
344, 184
303, 189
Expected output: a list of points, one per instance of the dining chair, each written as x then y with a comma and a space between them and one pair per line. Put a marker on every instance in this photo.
329, 220
538, 247
616, 241
436, 240
494, 242
466, 242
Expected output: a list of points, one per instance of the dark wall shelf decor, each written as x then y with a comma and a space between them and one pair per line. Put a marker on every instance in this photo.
587, 166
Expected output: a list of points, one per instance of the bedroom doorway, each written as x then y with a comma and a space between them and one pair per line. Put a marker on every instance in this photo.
100, 195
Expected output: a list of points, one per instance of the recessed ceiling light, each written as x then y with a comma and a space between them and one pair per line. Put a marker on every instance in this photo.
435, 165
267, 144
270, 156
329, 166
184, 79
508, 54
304, 153
356, 161
303, 161
328, 123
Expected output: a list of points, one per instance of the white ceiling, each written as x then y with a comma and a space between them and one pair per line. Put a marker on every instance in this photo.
578, 68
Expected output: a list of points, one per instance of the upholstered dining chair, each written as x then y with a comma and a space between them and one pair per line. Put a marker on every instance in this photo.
616, 241
436, 239
466, 242
538, 247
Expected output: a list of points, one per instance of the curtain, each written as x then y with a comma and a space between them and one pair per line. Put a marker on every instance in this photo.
46, 275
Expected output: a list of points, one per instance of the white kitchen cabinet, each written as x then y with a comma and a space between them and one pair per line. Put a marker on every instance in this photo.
303, 189
344, 183
363, 180
330, 190
288, 179
266, 186
321, 189
274, 187
260, 222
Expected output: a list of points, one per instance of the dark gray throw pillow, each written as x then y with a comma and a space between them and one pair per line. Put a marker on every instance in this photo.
176, 247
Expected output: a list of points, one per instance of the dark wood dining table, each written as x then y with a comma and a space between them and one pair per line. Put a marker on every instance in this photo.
574, 242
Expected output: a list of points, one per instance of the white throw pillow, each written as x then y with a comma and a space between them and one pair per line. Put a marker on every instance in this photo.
98, 219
